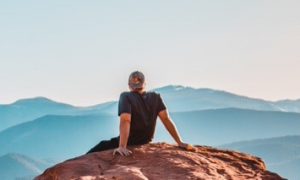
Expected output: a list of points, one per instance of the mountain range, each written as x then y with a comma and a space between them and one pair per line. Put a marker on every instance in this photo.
57, 136
177, 98
61, 136
29, 109
180, 98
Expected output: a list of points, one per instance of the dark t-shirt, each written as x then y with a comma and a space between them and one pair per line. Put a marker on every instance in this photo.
144, 109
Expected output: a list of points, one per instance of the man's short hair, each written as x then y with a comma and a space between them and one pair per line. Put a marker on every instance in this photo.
136, 80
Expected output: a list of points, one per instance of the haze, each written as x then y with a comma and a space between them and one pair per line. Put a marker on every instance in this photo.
81, 52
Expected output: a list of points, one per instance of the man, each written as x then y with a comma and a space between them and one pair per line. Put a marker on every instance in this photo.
138, 111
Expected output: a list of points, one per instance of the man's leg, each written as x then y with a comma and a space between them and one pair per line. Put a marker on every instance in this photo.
105, 145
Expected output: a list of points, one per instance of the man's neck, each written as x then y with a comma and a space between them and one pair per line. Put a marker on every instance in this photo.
141, 91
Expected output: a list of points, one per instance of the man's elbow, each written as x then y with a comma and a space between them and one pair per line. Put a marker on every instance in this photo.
167, 120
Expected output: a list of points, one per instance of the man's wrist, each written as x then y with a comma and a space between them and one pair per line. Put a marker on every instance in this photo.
122, 146
179, 142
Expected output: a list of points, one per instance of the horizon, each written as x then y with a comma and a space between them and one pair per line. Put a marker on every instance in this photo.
83, 52
114, 100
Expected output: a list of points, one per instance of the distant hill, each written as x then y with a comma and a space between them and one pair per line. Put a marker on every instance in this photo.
29, 109
181, 98
62, 137
289, 105
58, 137
17, 166
177, 99
219, 126
289, 169
281, 154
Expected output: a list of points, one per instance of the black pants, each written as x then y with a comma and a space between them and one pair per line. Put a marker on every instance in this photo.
114, 143
105, 145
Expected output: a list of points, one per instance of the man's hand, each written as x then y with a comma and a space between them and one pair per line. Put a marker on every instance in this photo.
187, 147
123, 151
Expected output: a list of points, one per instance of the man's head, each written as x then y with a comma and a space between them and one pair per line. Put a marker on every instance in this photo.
136, 81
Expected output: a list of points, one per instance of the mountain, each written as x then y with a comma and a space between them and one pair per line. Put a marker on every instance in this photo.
58, 137
220, 126
289, 105
180, 98
107, 107
281, 154
17, 166
62, 137
289, 169
29, 109
162, 161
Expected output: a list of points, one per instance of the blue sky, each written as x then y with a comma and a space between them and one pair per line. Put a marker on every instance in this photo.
81, 52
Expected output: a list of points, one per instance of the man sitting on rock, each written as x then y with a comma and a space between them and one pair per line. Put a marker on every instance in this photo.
138, 111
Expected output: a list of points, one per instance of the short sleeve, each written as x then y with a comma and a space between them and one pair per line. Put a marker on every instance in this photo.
161, 104
124, 104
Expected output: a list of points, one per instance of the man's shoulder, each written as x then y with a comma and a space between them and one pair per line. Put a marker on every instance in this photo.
124, 94
153, 93
149, 93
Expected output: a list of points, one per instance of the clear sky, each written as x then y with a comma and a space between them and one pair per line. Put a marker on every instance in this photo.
81, 52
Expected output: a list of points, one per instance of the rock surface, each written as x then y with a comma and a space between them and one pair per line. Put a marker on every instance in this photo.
161, 161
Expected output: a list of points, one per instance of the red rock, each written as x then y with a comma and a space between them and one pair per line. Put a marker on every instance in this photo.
161, 161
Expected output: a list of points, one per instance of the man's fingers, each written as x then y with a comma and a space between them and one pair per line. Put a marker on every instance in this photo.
122, 152
115, 152
127, 153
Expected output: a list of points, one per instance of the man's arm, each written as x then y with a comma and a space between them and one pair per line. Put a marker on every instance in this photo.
170, 126
125, 119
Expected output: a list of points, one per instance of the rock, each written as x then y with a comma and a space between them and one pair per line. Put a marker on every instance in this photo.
161, 161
